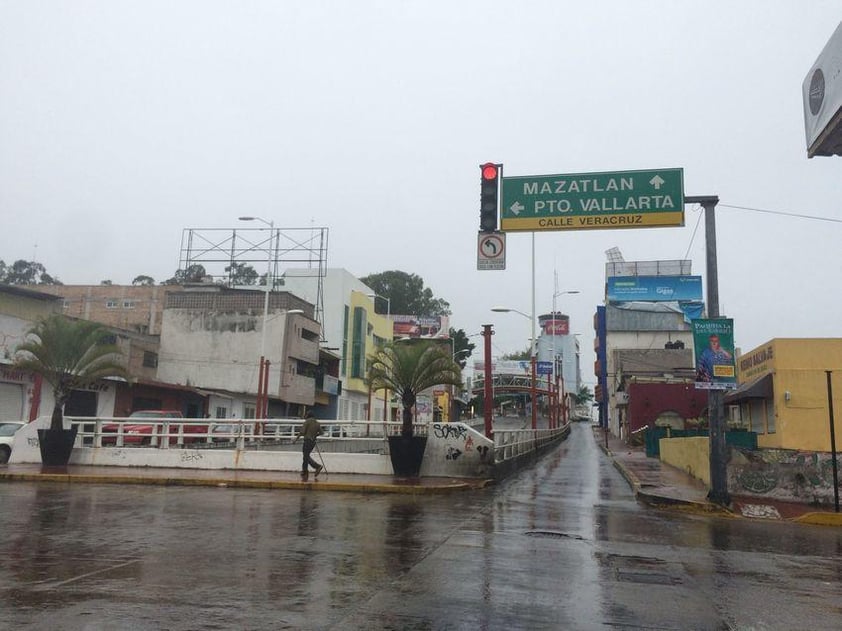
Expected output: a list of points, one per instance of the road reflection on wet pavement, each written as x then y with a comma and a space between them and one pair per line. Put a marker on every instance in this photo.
562, 545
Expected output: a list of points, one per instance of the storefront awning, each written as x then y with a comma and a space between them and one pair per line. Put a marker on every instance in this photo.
760, 388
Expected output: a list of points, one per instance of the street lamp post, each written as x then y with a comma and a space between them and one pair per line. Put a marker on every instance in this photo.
533, 391
262, 395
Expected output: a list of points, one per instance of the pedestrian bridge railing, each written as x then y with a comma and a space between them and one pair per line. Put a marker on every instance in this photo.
339, 436
452, 449
514, 443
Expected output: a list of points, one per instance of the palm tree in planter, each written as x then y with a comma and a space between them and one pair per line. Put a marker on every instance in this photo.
408, 369
69, 355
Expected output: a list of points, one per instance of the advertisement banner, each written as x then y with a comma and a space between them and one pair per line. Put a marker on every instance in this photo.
713, 341
654, 288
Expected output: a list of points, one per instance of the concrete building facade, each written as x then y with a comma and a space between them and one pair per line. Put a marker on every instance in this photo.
211, 337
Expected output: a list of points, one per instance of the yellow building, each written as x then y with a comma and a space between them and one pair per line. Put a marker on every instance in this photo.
364, 333
783, 393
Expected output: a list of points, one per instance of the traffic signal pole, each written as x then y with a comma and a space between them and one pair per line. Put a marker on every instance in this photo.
488, 385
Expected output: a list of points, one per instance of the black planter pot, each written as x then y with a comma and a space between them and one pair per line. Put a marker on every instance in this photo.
55, 446
407, 454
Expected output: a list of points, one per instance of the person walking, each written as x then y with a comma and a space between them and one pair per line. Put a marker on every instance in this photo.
310, 430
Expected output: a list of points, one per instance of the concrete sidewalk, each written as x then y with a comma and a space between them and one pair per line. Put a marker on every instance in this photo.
658, 484
236, 479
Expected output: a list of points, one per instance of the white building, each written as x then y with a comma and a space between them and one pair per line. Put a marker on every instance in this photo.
352, 328
212, 337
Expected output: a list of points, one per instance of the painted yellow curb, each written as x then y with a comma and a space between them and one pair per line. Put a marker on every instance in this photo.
820, 519
317, 485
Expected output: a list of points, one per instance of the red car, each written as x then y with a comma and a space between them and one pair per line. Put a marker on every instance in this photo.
141, 433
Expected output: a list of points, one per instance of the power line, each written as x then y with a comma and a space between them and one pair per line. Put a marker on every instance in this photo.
779, 212
693, 237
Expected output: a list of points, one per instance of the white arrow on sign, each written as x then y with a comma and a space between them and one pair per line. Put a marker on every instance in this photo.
656, 182
517, 207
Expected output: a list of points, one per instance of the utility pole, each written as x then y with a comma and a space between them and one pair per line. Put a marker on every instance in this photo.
716, 398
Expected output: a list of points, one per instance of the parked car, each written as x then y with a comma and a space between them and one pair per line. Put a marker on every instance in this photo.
141, 433
227, 432
8, 429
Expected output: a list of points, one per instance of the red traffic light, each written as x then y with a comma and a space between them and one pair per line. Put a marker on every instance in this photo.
489, 171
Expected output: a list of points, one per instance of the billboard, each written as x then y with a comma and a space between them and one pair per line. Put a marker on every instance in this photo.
654, 288
420, 326
822, 96
713, 342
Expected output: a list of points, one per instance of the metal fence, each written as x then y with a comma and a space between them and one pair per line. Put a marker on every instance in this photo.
253, 434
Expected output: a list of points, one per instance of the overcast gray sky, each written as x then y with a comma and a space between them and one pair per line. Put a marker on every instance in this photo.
121, 123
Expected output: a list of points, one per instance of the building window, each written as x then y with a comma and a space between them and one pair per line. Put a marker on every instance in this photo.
249, 410
65, 304
358, 336
111, 304
221, 412
150, 359
128, 304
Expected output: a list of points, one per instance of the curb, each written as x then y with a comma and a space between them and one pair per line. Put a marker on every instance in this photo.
819, 519
353, 487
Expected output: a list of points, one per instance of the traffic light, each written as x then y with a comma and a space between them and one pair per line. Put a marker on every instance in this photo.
488, 196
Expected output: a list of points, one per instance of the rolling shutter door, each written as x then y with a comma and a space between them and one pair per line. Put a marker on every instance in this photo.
11, 402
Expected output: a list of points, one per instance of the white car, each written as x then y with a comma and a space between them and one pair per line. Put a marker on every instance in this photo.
7, 437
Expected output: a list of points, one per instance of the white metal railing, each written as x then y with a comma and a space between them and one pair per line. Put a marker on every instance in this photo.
163, 433
512, 443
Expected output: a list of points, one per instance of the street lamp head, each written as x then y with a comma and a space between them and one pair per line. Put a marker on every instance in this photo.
295, 312
246, 218
500, 309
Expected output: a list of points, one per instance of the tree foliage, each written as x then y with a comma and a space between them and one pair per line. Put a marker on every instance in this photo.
193, 274
410, 368
524, 355
583, 395
241, 274
69, 355
143, 281
407, 294
26, 273
463, 348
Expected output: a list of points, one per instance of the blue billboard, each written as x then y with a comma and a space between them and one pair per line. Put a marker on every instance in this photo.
654, 288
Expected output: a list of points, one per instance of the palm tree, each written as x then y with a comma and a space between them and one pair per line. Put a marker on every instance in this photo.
69, 355
583, 395
410, 368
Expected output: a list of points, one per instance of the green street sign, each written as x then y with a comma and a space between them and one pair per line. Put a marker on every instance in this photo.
588, 201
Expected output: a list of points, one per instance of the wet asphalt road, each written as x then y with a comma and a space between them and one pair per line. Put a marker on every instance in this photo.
560, 546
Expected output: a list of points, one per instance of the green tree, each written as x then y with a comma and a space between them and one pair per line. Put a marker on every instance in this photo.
410, 368
193, 274
69, 355
462, 347
241, 274
407, 294
524, 355
26, 273
583, 395
143, 281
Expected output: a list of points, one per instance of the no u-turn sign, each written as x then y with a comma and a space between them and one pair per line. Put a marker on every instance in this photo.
491, 250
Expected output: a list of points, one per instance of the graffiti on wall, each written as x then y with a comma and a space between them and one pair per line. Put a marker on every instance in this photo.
460, 441
786, 474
